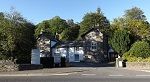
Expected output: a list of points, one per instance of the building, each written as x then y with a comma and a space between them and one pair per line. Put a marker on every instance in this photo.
95, 45
45, 43
71, 50
92, 47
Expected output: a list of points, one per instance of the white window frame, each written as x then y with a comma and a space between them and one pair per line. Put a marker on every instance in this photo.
93, 46
77, 48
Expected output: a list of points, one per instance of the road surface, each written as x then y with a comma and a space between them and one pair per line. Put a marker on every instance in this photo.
81, 74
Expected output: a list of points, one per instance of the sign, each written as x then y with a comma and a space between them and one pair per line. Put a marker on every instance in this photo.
35, 56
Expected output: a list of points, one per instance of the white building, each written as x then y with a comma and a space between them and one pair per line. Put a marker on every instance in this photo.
72, 54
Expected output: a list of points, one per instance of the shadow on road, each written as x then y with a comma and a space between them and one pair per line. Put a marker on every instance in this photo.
83, 64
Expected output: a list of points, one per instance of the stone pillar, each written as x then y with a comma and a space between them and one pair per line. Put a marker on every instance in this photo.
119, 62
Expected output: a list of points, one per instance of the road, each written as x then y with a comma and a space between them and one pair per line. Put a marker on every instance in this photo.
83, 74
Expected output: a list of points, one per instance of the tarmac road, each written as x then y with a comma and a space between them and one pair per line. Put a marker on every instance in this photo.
78, 74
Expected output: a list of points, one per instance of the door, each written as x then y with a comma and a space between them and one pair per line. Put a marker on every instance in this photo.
57, 58
76, 57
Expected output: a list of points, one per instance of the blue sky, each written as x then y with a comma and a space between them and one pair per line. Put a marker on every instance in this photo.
39, 10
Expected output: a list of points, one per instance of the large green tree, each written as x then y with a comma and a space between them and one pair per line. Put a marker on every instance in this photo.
17, 36
71, 33
52, 26
67, 30
94, 19
120, 41
135, 22
135, 13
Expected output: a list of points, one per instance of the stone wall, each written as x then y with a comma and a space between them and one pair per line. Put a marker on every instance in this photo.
29, 67
8, 65
138, 65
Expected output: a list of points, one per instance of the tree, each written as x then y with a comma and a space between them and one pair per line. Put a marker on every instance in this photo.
135, 13
44, 27
135, 22
120, 41
52, 26
92, 20
71, 33
17, 36
67, 30
57, 25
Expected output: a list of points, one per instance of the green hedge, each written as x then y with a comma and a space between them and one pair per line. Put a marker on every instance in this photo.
139, 49
136, 59
47, 62
139, 52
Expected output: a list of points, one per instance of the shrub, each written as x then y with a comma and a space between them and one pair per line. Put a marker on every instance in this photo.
63, 61
136, 59
3, 57
47, 62
139, 52
139, 49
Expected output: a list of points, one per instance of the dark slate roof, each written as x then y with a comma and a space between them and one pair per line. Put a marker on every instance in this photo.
47, 36
70, 44
43, 34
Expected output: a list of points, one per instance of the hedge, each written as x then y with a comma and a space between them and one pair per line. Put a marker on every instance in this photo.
139, 49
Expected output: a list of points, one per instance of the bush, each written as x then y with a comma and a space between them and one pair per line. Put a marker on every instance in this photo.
63, 61
136, 59
47, 62
140, 49
3, 57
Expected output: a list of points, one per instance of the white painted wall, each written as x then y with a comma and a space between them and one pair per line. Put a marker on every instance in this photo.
57, 58
72, 52
58, 53
63, 52
81, 53
35, 56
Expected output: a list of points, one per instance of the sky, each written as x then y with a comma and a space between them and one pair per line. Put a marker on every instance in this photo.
38, 10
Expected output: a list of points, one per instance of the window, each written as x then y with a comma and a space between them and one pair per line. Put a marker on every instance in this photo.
77, 48
57, 50
93, 46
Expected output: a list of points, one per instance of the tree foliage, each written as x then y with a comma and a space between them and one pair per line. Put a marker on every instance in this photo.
71, 33
120, 41
67, 30
135, 22
139, 49
94, 19
52, 26
135, 13
17, 36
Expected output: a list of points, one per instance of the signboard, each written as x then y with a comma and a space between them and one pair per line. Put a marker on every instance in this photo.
35, 56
